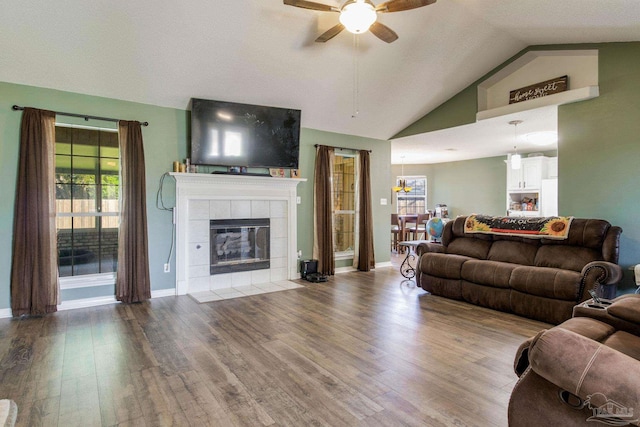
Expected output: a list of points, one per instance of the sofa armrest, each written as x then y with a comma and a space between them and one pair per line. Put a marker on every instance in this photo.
598, 273
423, 248
587, 369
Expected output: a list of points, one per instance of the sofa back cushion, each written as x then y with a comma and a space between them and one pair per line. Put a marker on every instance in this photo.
566, 257
587, 233
513, 252
468, 246
457, 242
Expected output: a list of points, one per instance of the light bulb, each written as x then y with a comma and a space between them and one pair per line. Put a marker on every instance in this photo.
358, 17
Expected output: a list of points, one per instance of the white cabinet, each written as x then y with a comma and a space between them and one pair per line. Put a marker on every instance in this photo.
529, 191
552, 168
549, 197
530, 174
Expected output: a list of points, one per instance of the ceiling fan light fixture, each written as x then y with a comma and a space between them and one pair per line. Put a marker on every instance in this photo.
358, 16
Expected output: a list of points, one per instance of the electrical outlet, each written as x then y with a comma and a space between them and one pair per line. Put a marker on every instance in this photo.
167, 268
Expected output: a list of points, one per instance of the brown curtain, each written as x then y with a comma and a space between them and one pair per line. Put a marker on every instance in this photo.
132, 280
323, 223
366, 258
34, 266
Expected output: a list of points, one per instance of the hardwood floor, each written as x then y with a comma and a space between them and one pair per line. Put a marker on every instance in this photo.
362, 349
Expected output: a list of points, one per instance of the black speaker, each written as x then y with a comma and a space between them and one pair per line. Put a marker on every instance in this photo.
308, 266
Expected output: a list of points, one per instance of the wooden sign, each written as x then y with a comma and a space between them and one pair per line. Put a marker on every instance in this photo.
539, 90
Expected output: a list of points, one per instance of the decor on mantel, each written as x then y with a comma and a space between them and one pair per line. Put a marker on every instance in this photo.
516, 159
360, 16
402, 183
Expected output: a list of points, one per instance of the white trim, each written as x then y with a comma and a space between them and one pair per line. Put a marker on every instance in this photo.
338, 256
384, 264
87, 281
341, 270
93, 302
561, 98
69, 125
220, 188
86, 302
86, 215
161, 293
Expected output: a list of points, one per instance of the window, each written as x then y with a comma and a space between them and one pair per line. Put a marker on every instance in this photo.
415, 201
87, 200
344, 205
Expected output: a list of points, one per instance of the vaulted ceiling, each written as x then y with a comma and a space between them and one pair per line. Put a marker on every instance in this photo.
263, 52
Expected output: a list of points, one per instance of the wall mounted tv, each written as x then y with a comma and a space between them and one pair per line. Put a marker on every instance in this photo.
244, 135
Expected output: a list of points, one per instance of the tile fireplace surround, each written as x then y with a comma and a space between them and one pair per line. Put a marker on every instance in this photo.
202, 197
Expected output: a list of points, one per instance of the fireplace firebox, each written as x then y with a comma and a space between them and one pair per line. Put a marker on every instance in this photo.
239, 245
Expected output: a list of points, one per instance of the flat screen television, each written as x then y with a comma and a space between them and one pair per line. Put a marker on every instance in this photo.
243, 135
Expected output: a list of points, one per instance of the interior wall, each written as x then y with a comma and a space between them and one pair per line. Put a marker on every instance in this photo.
165, 139
598, 147
599, 151
471, 186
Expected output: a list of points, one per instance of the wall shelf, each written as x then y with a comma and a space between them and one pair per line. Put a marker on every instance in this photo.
561, 98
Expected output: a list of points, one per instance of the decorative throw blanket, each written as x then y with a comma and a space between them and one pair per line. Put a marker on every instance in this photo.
553, 227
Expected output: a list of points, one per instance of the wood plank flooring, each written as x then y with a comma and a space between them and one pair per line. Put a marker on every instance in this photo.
360, 350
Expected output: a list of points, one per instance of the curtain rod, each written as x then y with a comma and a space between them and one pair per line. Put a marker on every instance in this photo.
83, 116
341, 148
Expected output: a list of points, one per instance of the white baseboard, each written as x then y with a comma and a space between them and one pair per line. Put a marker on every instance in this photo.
383, 264
171, 292
5, 313
345, 270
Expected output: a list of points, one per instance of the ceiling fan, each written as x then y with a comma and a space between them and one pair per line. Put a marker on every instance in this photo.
358, 16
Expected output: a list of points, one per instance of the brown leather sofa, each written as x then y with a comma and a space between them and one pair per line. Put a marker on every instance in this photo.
541, 279
584, 371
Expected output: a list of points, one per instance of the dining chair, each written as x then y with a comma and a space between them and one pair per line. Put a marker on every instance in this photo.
420, 228
395, 232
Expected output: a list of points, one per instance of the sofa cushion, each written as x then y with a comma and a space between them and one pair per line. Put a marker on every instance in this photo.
588, 327
442, 265
625, 343
513, 252
486, 296
470, 247
588, 233
546, 282
627, 309
565, 257
488, 273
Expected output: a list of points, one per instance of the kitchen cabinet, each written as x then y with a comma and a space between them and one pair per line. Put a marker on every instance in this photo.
529, 191
530, 174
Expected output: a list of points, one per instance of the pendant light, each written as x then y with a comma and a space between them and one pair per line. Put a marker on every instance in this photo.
402, 185
515, 159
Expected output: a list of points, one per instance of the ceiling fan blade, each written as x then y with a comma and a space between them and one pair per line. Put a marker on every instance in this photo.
383, 32
311, 5
400, 5
330, 33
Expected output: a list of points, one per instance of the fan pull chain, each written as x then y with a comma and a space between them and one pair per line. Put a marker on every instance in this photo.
356, 82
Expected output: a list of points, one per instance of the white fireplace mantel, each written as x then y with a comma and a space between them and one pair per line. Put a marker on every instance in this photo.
201, 197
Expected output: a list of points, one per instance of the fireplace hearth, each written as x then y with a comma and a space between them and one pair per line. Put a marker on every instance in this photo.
239, 245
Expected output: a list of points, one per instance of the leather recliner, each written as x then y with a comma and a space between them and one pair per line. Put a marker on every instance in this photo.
585, 371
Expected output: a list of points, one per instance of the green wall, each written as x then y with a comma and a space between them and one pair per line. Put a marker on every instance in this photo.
598, 147
166, 140
380, 188
470, 186
599, 150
